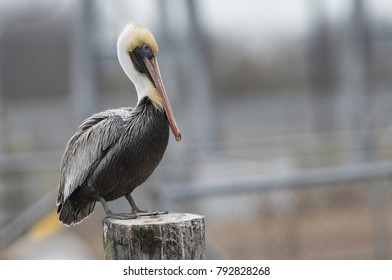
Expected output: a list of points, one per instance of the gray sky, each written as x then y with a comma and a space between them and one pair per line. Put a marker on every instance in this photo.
226, 18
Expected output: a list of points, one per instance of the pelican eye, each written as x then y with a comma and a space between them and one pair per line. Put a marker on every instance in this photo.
147, 51
146, 48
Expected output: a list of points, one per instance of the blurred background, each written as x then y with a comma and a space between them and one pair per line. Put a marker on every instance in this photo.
284, 108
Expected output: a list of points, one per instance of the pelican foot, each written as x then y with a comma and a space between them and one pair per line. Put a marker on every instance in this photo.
122, 216
144, 213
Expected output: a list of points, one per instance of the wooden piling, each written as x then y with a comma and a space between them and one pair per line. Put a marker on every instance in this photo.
171, 236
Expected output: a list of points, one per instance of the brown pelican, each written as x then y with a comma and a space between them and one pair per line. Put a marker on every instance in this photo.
114, 151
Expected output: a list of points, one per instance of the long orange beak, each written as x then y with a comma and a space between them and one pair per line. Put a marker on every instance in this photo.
153, 68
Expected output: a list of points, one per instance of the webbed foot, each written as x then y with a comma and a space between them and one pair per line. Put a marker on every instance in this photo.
121, 216
146, 213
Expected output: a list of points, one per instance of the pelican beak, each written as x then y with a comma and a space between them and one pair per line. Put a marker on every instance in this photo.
153, 69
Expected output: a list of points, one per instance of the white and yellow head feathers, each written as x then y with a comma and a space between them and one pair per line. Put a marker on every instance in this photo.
131, 37
135, 36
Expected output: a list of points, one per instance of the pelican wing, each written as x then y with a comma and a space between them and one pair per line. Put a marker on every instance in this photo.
89, 145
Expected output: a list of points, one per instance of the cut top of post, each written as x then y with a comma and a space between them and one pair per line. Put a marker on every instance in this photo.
171, 236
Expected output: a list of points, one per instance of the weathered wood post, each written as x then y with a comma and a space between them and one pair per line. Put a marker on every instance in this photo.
171, 236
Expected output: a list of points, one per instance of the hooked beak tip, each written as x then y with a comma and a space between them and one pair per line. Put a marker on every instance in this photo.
178, 137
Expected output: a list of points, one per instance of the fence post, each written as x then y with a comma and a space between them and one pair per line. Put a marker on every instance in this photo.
171, 236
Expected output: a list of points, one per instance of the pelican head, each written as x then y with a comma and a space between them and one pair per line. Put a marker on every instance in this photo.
137, 52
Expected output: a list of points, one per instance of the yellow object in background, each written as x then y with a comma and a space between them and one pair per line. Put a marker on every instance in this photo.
45, 226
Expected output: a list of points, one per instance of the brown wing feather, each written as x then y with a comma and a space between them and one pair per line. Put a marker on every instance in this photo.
94, 136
